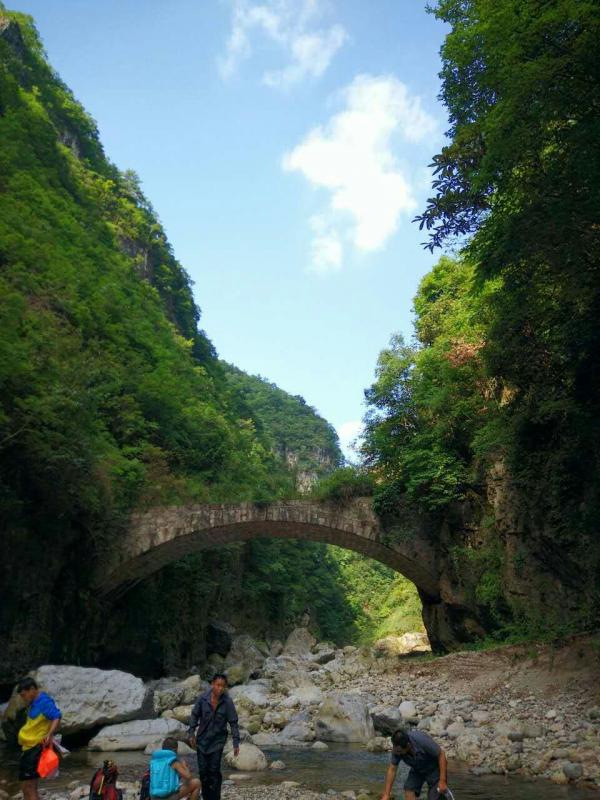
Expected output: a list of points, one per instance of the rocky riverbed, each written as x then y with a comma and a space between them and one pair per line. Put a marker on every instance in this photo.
520, 711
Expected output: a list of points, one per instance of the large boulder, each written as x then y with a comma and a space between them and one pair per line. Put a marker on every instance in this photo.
299, 731
165, 699
250, 758
252, 695
308, 695
90, 697
181, 714
323, 653
408, 643
407, 710
137, 734
243, 660
344, 718
192, 687
299, 643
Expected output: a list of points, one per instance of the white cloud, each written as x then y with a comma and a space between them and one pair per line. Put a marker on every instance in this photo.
349, 432
291, 24
326, 247
352, 157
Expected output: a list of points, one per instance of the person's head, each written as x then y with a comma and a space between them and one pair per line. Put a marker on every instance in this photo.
170, 744
28, 690
400, 741
219, 683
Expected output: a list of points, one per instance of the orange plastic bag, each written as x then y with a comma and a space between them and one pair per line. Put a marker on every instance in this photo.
48, 763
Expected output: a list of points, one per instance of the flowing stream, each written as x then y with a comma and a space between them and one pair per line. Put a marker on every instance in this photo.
341, 767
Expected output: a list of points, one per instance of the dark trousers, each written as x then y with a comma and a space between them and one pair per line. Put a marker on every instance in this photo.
209, 770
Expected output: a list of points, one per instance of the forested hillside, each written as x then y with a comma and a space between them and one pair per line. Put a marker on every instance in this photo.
306, 443
490, 418
112, 399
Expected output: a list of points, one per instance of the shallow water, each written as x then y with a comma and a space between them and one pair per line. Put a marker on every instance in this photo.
341, 767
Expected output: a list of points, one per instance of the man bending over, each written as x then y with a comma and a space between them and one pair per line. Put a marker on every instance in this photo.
427, 762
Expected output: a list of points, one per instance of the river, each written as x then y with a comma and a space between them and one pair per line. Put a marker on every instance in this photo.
340, 768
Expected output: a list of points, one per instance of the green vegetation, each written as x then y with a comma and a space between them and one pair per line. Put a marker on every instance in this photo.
306, 444
112, 399
504, 373
383, 602
343, 484
429, 400
109, 393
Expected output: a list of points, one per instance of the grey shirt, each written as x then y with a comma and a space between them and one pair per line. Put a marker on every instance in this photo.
425, 756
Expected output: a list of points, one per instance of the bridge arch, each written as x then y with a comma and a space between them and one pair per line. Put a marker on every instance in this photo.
159, 536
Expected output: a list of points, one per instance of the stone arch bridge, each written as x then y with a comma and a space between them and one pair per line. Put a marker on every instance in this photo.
159, 536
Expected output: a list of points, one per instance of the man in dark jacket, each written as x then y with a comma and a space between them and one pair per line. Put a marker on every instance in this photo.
427, 762
211, 713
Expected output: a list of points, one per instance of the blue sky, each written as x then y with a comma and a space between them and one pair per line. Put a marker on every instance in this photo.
284, 145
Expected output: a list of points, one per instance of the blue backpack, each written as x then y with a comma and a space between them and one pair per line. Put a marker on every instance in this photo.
163, 778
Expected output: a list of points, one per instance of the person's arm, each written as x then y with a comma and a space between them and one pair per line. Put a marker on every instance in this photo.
52, 713
390, 777
182, 770
194, 723
50, 735
232, 719
443, 762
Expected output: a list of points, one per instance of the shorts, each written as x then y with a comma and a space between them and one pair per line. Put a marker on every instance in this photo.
415, 780
29, 763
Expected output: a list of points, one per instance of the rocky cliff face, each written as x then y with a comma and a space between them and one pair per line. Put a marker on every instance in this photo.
500, 568
309, 467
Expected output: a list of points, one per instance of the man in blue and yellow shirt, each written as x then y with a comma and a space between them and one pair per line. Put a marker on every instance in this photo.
43, 719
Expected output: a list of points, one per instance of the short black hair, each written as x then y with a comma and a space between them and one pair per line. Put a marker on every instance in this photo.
26, 683
400, 738
220, 676
170, 744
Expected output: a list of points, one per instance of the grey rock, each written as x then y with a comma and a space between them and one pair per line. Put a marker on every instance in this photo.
532, 731
299, 730
250, 758
137, 734
244, 655
89, 697
299, 643
407, 710
320, 746
344, 718
572, 771
167, 699
455, 729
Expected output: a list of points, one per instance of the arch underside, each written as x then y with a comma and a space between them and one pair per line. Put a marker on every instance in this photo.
158, 555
